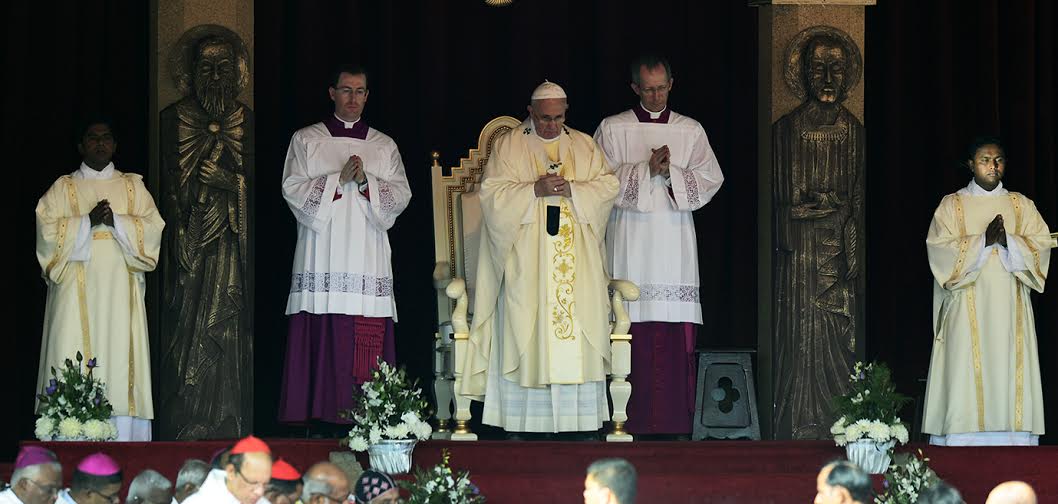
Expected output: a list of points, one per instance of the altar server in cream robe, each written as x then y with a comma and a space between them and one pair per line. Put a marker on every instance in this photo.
989, 249
98, 233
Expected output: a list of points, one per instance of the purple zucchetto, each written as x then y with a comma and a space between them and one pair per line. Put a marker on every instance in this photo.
34, 455
99, 464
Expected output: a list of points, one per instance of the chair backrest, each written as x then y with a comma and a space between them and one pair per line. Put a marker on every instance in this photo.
457, 214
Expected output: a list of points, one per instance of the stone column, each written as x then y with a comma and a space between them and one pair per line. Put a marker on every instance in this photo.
780, 23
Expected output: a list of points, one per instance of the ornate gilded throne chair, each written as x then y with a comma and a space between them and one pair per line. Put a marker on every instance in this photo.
457, 223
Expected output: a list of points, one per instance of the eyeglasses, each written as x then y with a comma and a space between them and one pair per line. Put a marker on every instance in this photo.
114, 497
254, 484
344, 90
347, 498
48, 489
662, 89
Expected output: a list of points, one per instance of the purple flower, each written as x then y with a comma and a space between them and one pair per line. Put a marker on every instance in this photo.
885, 483
97, 400
52, 387
862, 375
91, 363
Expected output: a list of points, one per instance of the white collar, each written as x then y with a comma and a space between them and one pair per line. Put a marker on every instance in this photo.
64, 495
653, 115
345, 123
106, 173
976, 190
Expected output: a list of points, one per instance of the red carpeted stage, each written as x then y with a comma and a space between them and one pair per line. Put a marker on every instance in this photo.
707, 471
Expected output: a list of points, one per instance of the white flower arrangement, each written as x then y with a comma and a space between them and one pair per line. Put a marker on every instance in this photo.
875, 430
869, 410
387, 407
906, 478
74, 405
442, 485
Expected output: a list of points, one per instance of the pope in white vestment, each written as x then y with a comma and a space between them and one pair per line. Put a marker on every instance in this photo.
95, 278
984, 379
539, 347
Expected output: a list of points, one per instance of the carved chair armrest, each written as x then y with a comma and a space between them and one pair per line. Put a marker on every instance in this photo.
622, 290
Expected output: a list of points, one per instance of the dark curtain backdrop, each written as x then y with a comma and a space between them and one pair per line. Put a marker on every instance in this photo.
936, 74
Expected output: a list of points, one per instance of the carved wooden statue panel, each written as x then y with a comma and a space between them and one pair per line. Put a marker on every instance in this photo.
207, 163
818, 172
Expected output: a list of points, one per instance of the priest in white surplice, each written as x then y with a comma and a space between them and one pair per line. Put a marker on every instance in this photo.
988, 249
98, 232
667, 170
539, 345
345, 184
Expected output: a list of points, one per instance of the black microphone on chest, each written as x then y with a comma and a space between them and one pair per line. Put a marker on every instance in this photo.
553, 210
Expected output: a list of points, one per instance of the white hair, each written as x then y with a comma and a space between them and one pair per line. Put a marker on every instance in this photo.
314, 487
193, 472
146, 482
32, 471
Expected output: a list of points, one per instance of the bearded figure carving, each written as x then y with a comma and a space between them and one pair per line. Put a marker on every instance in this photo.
207, 159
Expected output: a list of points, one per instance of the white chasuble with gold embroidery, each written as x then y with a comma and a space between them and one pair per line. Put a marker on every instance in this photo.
984, 377
539, 345
95, 278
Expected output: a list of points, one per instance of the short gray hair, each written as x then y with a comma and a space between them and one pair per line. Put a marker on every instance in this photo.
193, 472
146, 482
32, 471
849, 476
618, 475
314, 487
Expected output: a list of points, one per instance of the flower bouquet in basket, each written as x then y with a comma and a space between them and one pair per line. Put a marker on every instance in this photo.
906, 478
868, 426
441, 485
388, 418
74, 405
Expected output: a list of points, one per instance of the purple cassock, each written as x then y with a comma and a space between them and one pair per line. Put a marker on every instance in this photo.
663, 365
663, 378
329, 354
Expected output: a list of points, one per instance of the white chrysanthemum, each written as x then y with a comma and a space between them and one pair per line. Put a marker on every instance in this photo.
399, 431
838, 427
70, 428
45, 428
113, 430
375, 435
422, 430
839, 440
358, 443
899, 432
854, 431
878, 431
410, 418
96, 430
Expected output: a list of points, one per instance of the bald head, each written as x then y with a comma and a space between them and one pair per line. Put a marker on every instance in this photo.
324, 481
1012, 492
